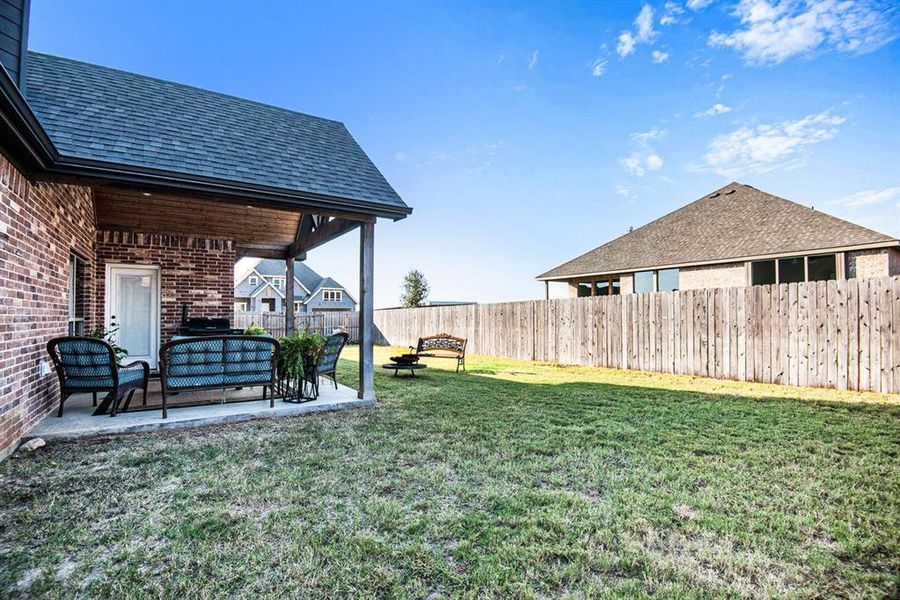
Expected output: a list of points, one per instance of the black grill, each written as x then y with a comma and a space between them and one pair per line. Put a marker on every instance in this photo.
208, 326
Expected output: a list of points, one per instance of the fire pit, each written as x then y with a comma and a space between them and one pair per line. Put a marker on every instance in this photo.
405, 359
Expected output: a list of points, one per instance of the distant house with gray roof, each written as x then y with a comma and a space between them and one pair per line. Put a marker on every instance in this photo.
735, 236
262, 289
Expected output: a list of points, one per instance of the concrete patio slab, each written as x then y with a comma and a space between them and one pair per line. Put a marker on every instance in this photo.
78, 421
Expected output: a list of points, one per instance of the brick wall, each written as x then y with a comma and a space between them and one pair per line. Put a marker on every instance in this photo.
194, 271
712, 276
40, 225
868, 263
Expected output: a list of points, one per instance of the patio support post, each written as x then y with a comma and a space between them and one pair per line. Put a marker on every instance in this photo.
546, 290
289, 322
366, 311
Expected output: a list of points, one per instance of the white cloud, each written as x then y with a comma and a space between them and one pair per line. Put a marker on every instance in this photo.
632, 165
599, 67
623, 190
638, 166
401, 156
772, 32
625, 45
644, 24
768, 147
698, 4
716, 109
643, 34
534, 60
870, 197
654, 162
642, 138
672, 9
659, 57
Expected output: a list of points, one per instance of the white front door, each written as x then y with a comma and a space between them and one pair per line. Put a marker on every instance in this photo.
132, 310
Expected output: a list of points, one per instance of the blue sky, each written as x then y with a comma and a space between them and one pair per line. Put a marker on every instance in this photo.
524, 134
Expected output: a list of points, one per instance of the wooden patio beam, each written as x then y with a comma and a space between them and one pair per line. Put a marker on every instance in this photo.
366, 312
289, 321
304, 228
323, 234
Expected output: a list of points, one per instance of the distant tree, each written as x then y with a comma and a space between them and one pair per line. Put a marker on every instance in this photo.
415, 289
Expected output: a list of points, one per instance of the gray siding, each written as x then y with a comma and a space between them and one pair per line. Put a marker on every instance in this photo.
14, 38
318, 303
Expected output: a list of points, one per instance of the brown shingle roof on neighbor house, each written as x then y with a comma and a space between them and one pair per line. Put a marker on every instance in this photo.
735, 222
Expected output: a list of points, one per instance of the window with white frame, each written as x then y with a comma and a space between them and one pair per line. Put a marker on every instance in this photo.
332, 295
254, 280
277, 282
241, 306
297, 306
76, 295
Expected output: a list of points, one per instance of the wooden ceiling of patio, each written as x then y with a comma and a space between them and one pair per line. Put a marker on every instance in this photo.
258, 230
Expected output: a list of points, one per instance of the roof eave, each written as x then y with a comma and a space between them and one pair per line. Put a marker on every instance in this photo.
719, 261
69, 166
22, 138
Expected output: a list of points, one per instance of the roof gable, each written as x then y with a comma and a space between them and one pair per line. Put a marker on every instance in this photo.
102, 114
736, 221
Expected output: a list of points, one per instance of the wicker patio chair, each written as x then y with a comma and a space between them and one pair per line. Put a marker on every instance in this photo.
88, 365
328, 358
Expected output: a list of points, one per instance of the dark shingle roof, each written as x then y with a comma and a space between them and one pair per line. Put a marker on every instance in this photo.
103, 114
736, 221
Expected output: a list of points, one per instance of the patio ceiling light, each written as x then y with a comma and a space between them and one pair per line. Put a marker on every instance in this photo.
146, 194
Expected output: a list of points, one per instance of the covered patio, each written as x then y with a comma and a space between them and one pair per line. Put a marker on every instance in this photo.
255, 227
129, 199
191, 409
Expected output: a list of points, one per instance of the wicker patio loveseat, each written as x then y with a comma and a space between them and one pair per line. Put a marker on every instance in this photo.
218, 362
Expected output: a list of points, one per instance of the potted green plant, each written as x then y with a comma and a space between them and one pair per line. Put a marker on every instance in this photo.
297, 364
109, 337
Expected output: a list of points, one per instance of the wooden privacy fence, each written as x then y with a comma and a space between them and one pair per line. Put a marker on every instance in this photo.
321, 322
843, 334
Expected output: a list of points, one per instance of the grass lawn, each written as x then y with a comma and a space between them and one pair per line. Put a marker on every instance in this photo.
516, 479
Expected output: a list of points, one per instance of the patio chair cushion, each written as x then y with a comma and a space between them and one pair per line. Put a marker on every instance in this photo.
196, 363
86, 364
247, 361
131, 376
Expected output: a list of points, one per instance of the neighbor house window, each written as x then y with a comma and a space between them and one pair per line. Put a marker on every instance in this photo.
297, 306
268, 304
643, 282
584, 289
76, 295
762, 272
241, 306
667, 280
333, 295
254, 280
791, 270
608, 286
822, 268
794, 269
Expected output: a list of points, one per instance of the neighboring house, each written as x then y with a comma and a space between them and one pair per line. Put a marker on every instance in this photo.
262, 289
126, 199
735, 236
